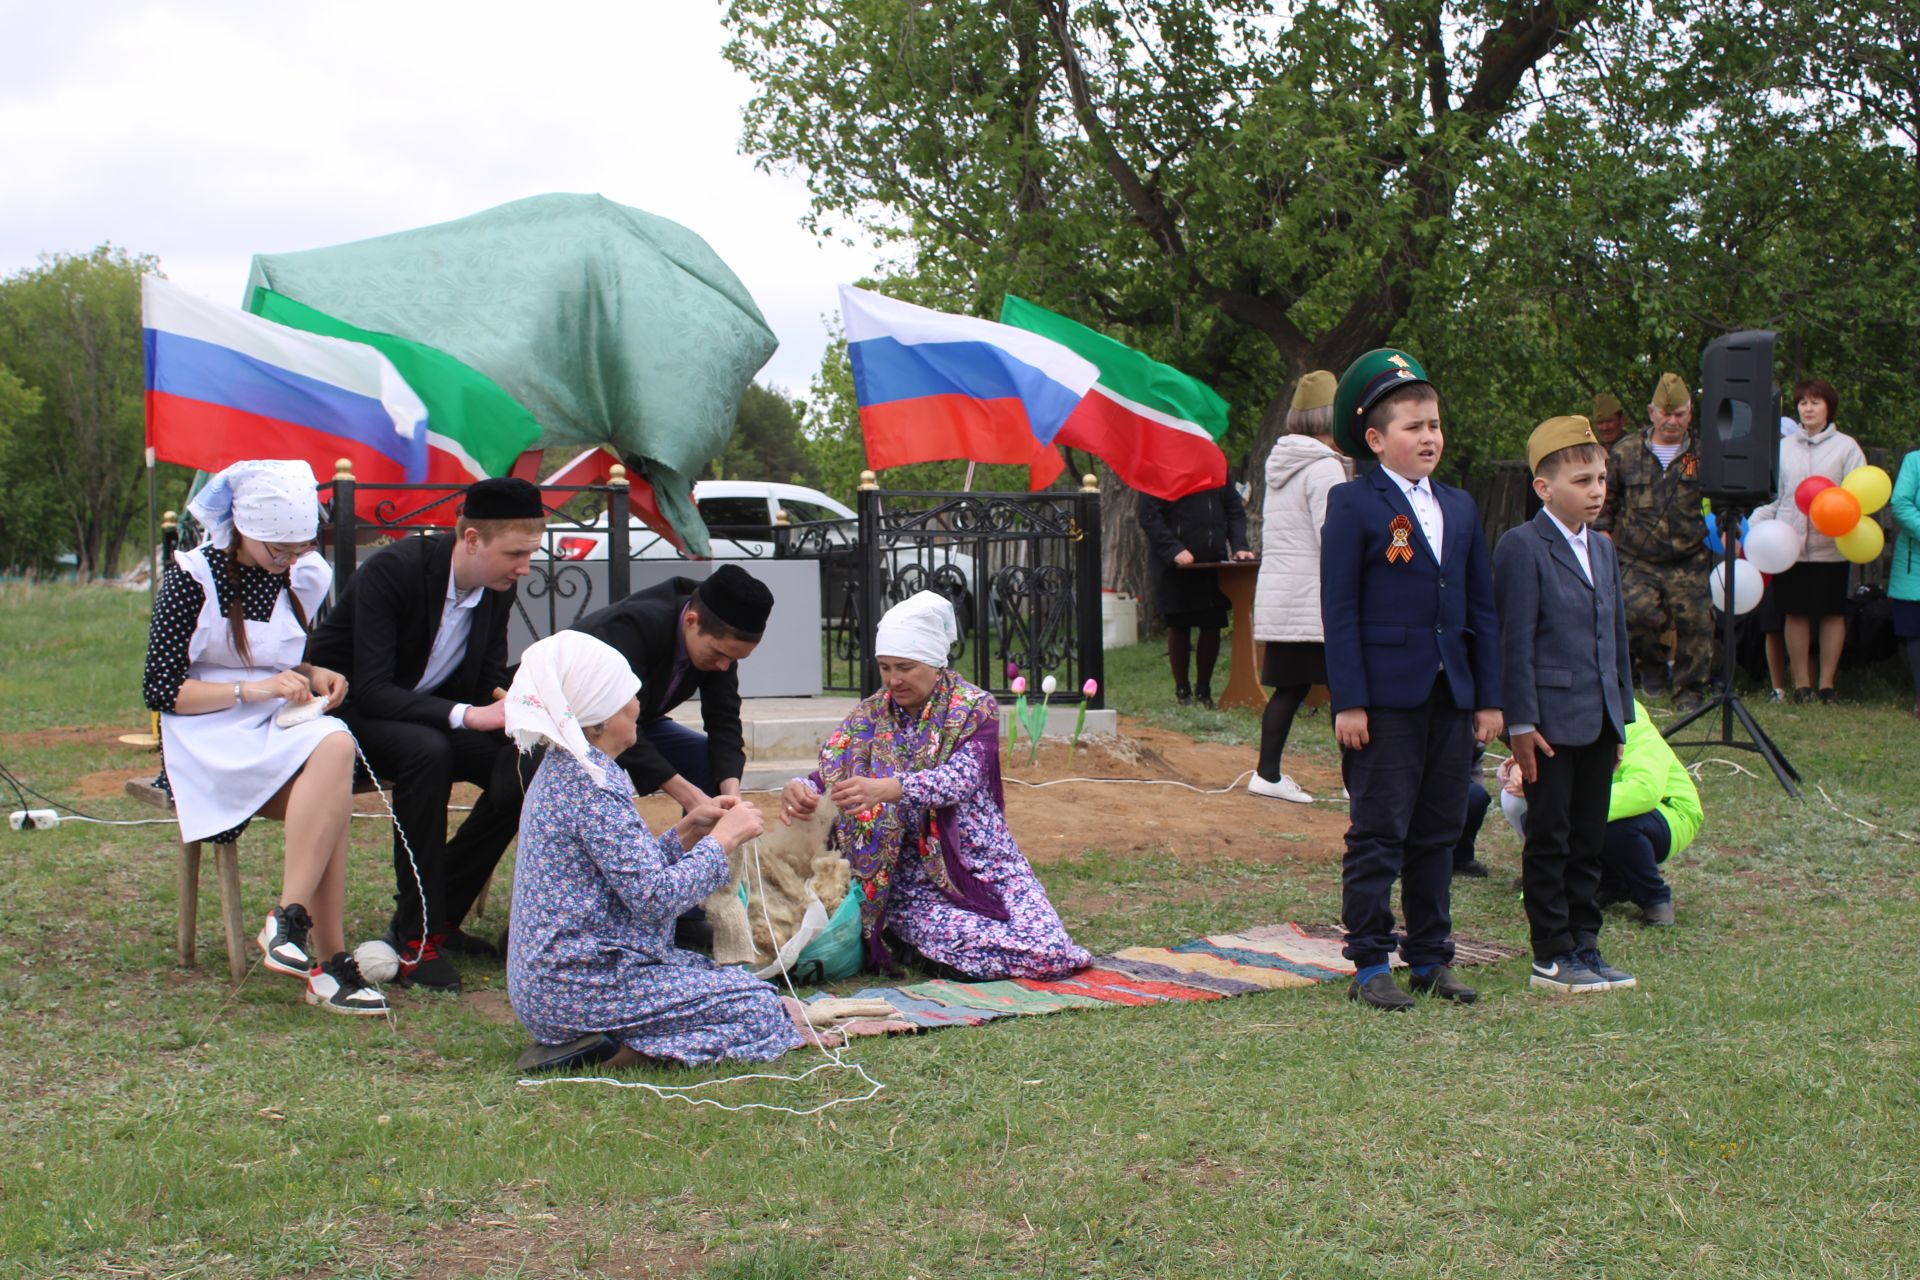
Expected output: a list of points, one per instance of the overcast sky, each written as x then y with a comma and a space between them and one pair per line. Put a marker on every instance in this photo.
204, 132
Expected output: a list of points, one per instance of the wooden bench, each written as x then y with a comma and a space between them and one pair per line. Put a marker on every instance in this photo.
226, 861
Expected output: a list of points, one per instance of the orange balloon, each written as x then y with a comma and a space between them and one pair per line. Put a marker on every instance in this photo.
1834, 511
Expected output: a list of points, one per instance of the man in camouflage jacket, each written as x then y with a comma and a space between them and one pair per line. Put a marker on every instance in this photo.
1653, 515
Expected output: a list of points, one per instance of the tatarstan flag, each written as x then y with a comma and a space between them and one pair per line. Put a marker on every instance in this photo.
474, 429
1155, 426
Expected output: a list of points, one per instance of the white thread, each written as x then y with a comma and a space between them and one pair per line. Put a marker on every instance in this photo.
419, 884
683, 1092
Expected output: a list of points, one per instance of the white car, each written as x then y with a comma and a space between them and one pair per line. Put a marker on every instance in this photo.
741, 517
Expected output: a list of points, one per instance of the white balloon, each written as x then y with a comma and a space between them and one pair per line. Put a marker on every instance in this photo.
1771, 545
1747, 586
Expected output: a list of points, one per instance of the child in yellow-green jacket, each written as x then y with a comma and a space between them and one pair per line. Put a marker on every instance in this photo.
1653, 812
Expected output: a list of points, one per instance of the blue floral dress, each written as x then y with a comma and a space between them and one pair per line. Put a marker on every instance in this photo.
595, 897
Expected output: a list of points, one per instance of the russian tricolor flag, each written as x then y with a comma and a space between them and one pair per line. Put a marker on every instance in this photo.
223, 386
933, 386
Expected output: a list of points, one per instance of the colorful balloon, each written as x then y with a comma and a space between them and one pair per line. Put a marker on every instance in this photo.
1834, 511
1871, 485
1747, 586
1862, 543
1772, 545
1809, 489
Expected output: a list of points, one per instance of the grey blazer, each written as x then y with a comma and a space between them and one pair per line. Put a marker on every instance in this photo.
1563, 641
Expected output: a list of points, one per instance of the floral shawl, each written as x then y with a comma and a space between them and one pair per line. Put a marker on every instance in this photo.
877, 741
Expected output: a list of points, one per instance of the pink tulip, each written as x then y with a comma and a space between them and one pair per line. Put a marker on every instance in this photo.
1019, 684
1091, 687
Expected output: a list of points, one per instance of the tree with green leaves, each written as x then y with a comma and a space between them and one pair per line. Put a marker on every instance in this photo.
768, 443
70, 328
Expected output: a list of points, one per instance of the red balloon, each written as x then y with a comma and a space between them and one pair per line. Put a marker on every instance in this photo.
1834, 511
1811, 488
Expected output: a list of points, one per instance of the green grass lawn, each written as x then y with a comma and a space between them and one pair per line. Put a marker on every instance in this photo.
1745, 1113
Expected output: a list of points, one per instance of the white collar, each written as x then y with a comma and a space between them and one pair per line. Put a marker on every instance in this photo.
1410, 486
1568, 534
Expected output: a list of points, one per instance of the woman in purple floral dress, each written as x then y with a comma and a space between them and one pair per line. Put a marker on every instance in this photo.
915, 771
595, 894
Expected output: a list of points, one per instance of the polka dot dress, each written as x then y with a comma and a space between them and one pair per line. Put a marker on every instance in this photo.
176, 612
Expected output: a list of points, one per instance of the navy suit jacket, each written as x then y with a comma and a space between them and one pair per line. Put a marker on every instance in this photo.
1393, 626
1564, 641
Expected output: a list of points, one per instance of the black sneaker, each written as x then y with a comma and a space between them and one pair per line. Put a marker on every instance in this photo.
1183, 695
422, 965
1802, 695
1204, 697
1829, 695
283, 940
1443, 985
1616, 979
1473, 869
1566, 974
459, 942
338, 987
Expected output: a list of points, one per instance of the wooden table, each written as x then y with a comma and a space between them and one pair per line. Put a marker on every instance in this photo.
1236, 579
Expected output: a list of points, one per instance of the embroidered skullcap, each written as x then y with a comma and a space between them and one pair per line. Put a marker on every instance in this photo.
503, 498
921, 627
269, 500
565, 682
1556, 434
737, 598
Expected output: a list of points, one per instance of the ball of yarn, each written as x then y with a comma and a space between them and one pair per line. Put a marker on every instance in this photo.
378, 961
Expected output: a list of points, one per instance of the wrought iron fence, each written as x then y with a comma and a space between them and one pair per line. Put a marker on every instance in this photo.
1022, 571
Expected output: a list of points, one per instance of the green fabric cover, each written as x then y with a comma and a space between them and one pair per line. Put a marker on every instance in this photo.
609, 324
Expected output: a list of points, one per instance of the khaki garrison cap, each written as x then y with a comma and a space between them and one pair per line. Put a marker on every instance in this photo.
1315, 391
1556, 434
1672, 394
1606, 405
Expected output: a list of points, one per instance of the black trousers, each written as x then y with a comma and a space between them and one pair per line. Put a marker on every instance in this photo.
423, 763
1566, 826
1409, 803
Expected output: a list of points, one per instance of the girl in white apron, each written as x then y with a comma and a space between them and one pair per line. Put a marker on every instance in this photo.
223, 662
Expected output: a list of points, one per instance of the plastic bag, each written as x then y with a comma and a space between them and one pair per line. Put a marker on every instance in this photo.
837, 953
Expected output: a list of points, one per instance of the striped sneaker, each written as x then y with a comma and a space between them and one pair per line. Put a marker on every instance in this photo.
337, 987
283, 940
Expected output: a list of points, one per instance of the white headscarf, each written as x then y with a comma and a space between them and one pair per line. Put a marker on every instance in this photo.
269, 500
566, 681
921, 627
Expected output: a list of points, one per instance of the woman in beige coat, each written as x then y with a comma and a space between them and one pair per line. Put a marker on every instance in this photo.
1303, 466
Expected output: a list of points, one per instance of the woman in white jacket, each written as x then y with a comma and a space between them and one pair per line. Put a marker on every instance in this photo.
1816, 586
1303, 466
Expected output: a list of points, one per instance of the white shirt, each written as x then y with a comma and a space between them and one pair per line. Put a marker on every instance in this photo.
450, 644
1578, 541
1426, 508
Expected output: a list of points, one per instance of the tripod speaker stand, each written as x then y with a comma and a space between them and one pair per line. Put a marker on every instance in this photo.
1728, 703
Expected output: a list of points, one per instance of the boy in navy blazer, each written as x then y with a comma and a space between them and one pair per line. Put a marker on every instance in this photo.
1569, 692
1413, 645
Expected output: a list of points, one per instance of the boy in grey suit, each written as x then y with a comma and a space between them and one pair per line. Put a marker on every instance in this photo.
1568, 680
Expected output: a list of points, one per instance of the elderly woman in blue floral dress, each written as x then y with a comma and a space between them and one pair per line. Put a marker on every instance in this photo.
915, 771
595, 894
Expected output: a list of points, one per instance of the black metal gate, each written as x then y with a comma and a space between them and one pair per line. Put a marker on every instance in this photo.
1022, 571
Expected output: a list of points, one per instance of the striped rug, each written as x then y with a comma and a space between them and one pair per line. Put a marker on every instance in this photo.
1268, 958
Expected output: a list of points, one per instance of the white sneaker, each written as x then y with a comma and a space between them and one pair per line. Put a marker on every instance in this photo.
283, 940
1285, 789
338, 987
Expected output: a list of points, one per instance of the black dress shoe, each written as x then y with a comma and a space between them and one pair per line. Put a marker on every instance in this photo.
462, 943
1443, 985
1381, 992
1183, 697
1205, 698
589, 1050
1473, 868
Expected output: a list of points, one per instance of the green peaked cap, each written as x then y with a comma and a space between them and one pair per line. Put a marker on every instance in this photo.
1362, 386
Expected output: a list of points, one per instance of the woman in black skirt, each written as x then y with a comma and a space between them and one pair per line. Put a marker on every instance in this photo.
1201, 528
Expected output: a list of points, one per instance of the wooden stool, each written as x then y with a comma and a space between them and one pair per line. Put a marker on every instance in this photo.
226, 861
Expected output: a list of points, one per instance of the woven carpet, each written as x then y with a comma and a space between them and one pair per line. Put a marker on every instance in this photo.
1268, 958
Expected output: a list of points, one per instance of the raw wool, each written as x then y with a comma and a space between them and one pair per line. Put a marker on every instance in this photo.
792, 859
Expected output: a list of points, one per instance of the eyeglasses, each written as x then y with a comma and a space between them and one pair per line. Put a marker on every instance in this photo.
286, 552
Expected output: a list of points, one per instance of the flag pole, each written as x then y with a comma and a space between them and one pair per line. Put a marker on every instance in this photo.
153, 530
968, 486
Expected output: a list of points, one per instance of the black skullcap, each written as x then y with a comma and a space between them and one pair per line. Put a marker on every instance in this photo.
503, 498
737, 598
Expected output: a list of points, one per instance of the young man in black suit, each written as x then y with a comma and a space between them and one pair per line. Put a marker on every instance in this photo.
681, 638
420, 632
